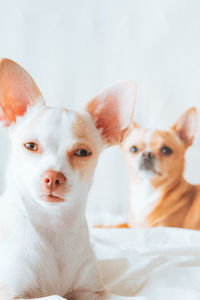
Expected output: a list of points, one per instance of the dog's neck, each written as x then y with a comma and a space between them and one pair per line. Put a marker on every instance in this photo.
143, 199
52, 230
46, 218
151, 206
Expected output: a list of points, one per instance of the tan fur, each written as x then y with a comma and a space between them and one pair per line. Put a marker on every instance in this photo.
179, 202
174, 206
81, 132
124, 225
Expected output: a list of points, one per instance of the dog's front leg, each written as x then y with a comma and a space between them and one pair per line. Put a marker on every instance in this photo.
6, 295
54, 297
83, 295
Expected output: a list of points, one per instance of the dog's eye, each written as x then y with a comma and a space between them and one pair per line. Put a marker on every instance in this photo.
166, 150
82, 152
134, 149
31, 146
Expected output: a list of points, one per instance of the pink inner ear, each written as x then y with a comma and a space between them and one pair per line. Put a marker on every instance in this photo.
11, 108
186, 126
107, 118
112, 111
17, 91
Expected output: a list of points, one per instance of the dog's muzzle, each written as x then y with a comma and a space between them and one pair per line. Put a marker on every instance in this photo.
147, 162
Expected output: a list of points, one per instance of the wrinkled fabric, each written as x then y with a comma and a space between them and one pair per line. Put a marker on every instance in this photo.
154, 263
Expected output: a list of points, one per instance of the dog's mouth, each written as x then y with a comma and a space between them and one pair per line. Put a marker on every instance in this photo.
51, 198
150, 170
148, 166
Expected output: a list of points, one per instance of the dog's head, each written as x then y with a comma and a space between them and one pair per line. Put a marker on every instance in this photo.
159, 155
55, 151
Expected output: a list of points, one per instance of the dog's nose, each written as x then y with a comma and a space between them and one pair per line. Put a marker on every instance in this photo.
148, 155
53, 179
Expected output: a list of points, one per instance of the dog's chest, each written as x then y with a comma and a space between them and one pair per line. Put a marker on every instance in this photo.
47, 264
143, 199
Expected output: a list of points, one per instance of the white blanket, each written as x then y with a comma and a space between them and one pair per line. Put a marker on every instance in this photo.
153, 264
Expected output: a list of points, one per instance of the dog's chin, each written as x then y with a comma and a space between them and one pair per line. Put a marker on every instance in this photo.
50, 200
148, 173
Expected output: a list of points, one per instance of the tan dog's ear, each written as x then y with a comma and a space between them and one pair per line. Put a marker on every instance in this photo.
112, 111
186, 126
133, 125
17, 91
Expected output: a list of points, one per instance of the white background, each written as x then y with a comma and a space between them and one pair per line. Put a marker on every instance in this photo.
75, 48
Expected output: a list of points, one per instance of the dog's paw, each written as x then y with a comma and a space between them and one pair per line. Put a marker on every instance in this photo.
116, 297
54, 297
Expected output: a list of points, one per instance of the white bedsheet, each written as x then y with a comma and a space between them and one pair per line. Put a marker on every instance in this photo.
153, 264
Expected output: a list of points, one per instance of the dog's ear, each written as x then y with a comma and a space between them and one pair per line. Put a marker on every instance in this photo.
17, 91
186, 126
112, 111
133, 125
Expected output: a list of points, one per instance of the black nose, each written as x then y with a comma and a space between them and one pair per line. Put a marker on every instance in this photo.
148, 155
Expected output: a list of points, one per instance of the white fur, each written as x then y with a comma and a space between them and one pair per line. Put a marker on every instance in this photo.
45, 247
148, 137
143, 199
144, 174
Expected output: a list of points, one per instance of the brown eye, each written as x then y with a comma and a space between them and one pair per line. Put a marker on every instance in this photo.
166, 150
134, 149
31, 146
82, 152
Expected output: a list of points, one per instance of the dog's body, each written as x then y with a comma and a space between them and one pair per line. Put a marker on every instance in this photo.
159, 194
46, 253
44, 239
175, 206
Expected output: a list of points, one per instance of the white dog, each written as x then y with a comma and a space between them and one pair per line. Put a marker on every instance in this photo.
44, 241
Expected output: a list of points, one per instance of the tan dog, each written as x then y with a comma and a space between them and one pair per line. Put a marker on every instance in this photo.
159, 194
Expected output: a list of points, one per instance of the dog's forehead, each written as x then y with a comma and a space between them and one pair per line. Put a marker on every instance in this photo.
54, 119
45, 120
161, 137
139, 135
151, 138
57, 123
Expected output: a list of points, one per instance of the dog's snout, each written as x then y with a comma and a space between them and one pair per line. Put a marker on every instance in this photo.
147, 161
148, 155
53, 179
